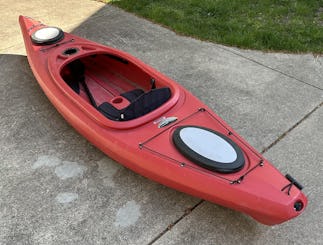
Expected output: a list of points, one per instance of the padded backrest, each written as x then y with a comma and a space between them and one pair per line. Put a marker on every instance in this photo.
146, 103
133, 94
142, 105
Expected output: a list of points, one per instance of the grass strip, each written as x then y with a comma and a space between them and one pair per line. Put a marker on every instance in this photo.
269, 25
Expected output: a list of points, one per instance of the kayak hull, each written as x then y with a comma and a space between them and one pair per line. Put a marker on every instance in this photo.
257, 189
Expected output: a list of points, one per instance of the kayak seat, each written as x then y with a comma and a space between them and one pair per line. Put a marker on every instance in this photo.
139, 106
133, 94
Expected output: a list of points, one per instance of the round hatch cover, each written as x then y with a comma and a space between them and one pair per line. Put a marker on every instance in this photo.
47, 35
209, 149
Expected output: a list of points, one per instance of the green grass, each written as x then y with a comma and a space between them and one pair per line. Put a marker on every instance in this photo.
280, 25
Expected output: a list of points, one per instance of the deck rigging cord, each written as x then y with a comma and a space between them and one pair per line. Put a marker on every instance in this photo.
238, 180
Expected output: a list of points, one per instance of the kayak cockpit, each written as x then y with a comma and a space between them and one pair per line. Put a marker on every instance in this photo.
117, 88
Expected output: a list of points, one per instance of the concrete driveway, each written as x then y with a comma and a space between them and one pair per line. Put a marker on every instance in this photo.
56, 188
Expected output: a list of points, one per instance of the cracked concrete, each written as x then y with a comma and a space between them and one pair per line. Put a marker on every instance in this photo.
56, 188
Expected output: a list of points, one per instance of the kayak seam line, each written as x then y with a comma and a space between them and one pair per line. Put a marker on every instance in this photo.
291, 129
170, 226
273, 69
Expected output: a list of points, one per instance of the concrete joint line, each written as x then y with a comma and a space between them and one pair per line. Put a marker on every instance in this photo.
291, 128
170, 226
270, 68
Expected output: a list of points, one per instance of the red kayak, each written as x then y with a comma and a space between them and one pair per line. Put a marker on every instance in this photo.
155, 127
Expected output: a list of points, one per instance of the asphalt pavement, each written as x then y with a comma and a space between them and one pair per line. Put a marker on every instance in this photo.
56, 188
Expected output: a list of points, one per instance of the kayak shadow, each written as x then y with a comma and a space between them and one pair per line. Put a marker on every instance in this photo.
22, 99
26, 113
20, 90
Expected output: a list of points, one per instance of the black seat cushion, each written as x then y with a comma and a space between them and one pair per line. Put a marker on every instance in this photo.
109, 111
143, 104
